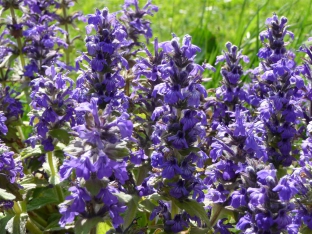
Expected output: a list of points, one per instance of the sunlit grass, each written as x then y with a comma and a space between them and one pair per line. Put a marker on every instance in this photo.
213, 23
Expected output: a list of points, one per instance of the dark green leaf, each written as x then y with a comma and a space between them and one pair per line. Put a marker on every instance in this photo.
132, 208
30, 182
305, 230
17, 224
60, 134
117, 151
29, 151
3, 222
142, 219
47, 196
53, 222
5, 195
9, 188
84, 226
58, 228
123, 197
189, 150
193, 208
6, 61
197, 230
95, 185
147, 205
141, 173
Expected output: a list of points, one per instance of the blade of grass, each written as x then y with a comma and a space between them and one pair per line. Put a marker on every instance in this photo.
250, 21
301, 29
240, 25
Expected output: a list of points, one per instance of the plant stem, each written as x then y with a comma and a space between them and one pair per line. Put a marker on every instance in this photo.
57, 187
20, 48
32, 228
50, 161
127, 87
16, 208
22, 205
18, 39
38, 219
174, 209
20, 132
59, 192
217, 208
67, 57
93, 230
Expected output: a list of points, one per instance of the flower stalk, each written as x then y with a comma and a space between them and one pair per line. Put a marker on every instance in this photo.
53, 170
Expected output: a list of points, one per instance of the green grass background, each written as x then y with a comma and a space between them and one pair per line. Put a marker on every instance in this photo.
212, 23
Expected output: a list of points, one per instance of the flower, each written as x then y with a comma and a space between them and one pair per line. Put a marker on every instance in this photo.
52, 105
177, 224
135, 22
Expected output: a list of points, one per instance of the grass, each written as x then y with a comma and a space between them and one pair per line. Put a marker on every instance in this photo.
212, 23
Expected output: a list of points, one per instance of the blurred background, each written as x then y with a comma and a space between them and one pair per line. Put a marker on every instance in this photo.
212, 23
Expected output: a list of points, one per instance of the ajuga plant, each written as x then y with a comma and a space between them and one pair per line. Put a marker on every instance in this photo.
34, 36
136, 23
233, 136
125, 138
11, 110
294, 188
97, 154
136, 26
171, 97
279, 88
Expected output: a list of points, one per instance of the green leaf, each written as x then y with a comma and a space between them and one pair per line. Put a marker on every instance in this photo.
194, 208
45, 197
30, 182
103, 227
17, 224
53, 222
147, 205
156, 197
29, 151
60, 134
117, 151
305, 230
55, 227
141, 173
123, 197
142, 219
84, 226
189, 150
197, 230
132, 208
5, 195
9, 189
94, 186
8, 60
54, 177
3, 222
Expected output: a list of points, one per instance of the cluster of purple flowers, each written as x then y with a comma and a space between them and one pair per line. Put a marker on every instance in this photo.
10, 109
11, 171
136, 133
136, 23
237, 162
99, 162
251, 148
35, 36
172, 99
53, 107
105, 131
102, 78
